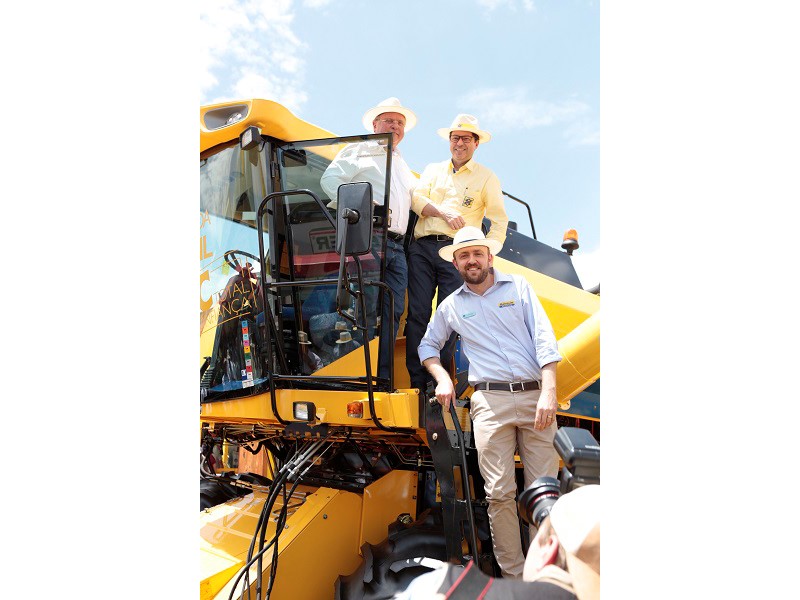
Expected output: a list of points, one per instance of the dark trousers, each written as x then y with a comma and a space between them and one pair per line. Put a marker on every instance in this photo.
427, 274
397, 280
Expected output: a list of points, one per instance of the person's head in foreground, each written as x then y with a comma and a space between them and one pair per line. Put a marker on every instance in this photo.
569, 538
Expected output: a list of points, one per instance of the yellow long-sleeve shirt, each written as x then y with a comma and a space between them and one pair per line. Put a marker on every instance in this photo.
474, 191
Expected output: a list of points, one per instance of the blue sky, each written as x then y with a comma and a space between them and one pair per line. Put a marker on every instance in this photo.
530, 71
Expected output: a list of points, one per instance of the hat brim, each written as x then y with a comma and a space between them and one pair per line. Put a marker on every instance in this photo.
484, 136
372, 113
447, 252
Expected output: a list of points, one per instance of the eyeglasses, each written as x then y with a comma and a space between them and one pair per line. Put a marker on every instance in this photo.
454, 139
397, 122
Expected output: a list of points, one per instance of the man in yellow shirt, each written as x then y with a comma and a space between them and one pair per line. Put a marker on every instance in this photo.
449, 195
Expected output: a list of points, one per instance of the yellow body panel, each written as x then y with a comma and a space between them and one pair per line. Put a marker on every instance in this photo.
352, 364
580, 366
399, 409
393, 494
321, 541
272, 118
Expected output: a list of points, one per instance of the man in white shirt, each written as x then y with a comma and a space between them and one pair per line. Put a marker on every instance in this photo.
366, 161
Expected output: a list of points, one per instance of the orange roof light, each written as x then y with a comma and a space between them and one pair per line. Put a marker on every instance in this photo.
570, 242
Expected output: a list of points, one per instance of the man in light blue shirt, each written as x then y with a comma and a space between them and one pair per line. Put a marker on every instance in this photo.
513, 356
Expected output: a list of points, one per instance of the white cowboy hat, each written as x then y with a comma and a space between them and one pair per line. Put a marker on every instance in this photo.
464, 122
302, 337
389, 105
469, 236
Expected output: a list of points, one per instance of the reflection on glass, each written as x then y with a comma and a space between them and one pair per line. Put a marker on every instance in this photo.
232, 182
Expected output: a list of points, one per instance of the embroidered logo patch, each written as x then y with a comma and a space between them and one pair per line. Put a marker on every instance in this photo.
506, 303
467, 201
469, 315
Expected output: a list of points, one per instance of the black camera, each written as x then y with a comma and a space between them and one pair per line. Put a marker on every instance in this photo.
580, 453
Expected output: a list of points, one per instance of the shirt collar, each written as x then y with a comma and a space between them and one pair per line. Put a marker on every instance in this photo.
469, 165
499, 277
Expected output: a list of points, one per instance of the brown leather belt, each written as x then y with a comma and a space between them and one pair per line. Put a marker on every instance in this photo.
510, 386
437, 237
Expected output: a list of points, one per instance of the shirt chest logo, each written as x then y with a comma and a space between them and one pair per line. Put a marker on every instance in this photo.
506, 304
467, 201
469, 315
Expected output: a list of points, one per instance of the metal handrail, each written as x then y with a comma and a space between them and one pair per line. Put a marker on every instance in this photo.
527, 206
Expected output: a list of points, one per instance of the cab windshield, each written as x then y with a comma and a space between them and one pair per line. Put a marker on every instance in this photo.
232, 183
309, 335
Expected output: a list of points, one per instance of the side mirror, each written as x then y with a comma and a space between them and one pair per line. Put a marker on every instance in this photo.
354, 214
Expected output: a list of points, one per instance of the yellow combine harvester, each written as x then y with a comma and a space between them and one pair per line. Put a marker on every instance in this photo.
338, 458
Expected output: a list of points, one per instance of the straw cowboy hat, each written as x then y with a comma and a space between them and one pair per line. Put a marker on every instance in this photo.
469, 236
464, 122
575, 518
302, 337
389, 105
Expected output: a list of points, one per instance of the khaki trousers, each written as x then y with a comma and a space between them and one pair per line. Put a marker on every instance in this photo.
503, 423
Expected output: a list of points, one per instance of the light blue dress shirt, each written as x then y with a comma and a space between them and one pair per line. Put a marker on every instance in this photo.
505, 333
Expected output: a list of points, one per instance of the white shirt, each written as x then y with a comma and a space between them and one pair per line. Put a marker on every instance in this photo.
366, 161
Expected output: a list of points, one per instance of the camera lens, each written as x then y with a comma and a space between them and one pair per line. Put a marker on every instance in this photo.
536, 501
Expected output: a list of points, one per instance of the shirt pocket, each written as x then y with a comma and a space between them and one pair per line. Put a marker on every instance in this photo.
508, 314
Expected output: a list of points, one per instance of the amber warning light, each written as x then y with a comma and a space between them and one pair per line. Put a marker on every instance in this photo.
570, 243
355, 410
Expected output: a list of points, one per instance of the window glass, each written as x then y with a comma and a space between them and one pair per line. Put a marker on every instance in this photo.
306, 245
232, 184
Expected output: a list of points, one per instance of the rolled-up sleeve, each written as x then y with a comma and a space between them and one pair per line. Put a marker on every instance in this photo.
542, 334
436, 335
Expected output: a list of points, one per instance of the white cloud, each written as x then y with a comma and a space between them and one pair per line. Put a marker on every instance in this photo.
587, 265
244, 51
510, 108
316, 3
512, 4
